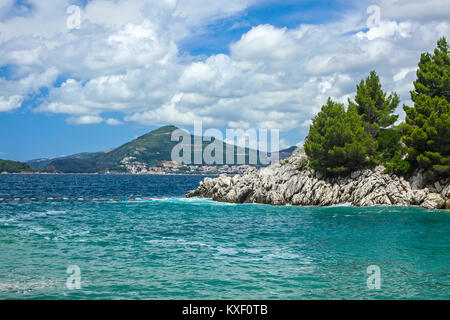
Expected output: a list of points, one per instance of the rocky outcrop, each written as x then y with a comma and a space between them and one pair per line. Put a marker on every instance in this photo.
433, 201
290, 182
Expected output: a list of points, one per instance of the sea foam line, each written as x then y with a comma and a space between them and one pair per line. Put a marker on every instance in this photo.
110, 199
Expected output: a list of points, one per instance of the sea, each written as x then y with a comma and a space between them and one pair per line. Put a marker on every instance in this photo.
137, 237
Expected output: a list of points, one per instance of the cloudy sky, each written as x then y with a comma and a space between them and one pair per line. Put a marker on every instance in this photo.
89, 75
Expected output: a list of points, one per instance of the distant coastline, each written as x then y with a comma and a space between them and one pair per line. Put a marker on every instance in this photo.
152, 154
114, 174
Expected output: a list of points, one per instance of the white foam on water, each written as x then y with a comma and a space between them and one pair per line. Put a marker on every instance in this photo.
227, 251
179, 199
37, 230
346, 204
192, 243
7, 221
194, 201
41, 214
286, 255
60, 235
75, 233
253, 251
174, 242
35, 214
28, 286
161, 241
16, 219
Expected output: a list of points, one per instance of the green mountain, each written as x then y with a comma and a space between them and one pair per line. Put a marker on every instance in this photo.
42, 163
14, 166
150, 150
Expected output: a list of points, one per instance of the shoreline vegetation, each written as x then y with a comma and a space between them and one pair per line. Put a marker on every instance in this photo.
359, 155
8, 166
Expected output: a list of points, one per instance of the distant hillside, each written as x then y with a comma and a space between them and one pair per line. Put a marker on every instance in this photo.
39, 164
286, 153
14, 166
150, 150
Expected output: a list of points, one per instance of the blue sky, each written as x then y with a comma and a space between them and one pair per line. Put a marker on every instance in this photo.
219, 35
132, 66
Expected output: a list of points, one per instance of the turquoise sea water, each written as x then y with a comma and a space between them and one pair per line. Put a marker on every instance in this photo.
176, 248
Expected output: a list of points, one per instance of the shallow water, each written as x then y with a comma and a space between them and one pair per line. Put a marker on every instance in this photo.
176, 248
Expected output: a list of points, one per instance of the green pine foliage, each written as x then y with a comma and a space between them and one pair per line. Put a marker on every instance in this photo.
340, 141
388, 143
392, 153
337, 142
433, 76
377, 108
427, 127
375, 105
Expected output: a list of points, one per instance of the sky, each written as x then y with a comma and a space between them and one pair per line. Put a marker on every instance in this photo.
90, 75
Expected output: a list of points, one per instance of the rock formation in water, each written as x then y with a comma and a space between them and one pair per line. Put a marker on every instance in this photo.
291, 182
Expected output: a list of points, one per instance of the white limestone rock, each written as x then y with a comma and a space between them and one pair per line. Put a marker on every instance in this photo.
291, 182
433, 201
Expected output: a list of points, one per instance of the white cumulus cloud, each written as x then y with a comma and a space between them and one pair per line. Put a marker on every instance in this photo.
10, 103
126, 58
113, 122
84, 120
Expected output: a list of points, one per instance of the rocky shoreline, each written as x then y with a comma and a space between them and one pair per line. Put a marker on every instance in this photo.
290, 182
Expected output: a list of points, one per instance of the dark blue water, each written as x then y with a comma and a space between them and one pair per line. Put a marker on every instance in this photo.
168, 247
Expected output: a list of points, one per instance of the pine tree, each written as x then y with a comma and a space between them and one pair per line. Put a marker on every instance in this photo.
433, 77
427, 127
337, 142
374, 104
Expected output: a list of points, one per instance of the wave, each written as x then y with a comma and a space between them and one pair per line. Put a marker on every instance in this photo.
28, 286
227, 251
31, 216
43, 214
173, 242
262, 253
193, 201
346, 204
283, 256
